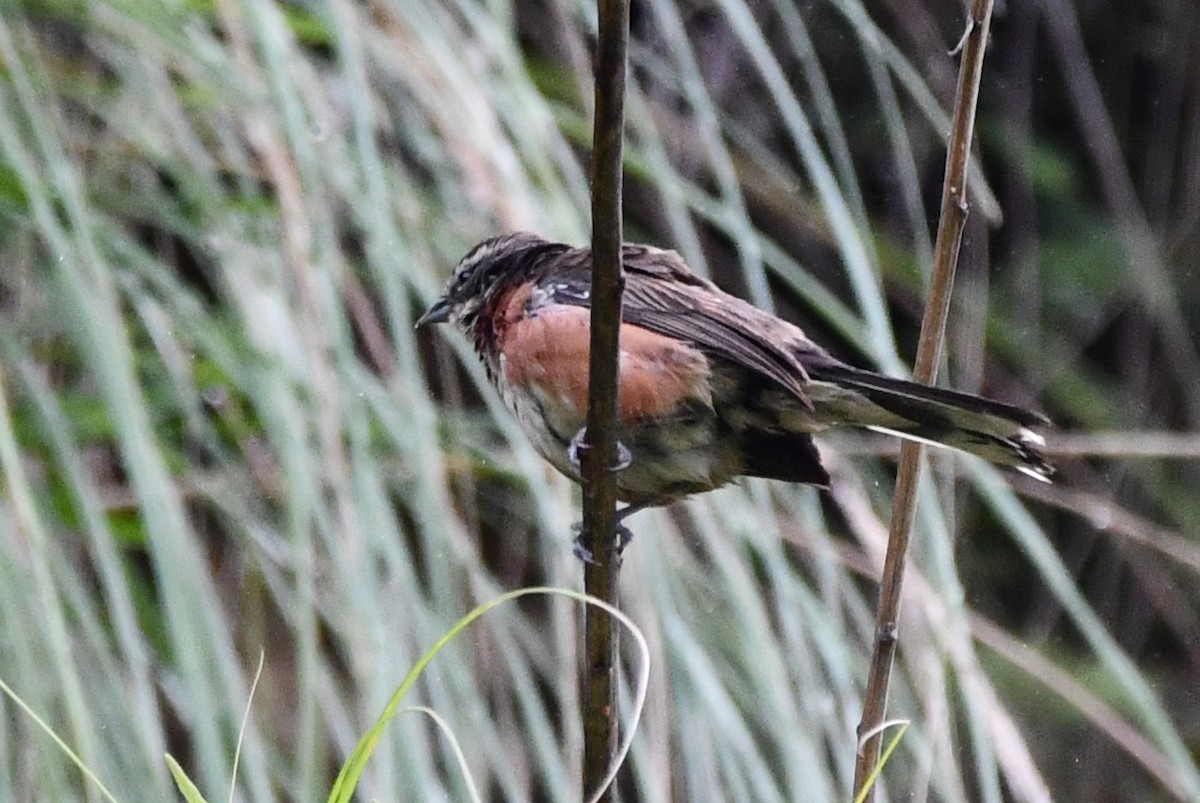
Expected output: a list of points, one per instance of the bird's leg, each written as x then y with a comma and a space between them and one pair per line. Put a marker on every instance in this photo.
579, 444
623, 534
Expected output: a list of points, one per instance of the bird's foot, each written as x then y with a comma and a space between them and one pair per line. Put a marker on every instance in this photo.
579, 444
580, 548
623, 536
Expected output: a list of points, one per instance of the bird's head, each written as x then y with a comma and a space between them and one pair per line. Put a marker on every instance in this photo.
487, 270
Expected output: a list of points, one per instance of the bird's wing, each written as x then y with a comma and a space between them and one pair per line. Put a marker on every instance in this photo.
664, 296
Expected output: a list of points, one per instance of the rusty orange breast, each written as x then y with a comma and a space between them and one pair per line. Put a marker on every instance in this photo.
549, 350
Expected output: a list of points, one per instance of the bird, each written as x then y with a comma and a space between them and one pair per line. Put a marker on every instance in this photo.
711, 388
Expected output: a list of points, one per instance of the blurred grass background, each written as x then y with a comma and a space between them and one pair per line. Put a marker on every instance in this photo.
219, 434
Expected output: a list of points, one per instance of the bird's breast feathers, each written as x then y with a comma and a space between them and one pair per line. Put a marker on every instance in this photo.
544, 347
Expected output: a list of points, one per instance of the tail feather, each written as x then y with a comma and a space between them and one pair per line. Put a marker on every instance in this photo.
995, 431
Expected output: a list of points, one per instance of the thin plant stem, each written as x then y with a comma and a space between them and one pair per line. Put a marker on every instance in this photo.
933, 326
599, 455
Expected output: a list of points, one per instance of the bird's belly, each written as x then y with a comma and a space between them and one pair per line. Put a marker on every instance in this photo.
670, 457
674, 458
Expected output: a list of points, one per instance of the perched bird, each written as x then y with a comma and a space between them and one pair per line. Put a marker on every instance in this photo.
711, 387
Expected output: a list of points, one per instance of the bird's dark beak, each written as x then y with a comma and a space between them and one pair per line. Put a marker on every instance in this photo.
438, 313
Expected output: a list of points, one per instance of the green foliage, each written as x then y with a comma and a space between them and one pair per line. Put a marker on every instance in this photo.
186, 788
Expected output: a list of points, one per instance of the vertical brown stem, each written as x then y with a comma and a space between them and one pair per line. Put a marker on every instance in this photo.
933, 327
600, 452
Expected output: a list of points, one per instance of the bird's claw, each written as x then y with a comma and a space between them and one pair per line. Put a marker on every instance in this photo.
582, 552
579, 443
623, 536
573, 450
624, 457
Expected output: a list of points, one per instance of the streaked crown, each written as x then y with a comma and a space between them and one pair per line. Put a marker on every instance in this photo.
486, 269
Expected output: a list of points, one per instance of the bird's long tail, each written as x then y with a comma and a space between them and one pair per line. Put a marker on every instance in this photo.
998, 432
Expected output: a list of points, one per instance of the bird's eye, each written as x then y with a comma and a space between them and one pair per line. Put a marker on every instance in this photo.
463, 280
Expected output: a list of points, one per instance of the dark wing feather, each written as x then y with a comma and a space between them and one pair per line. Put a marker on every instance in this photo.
664, 296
